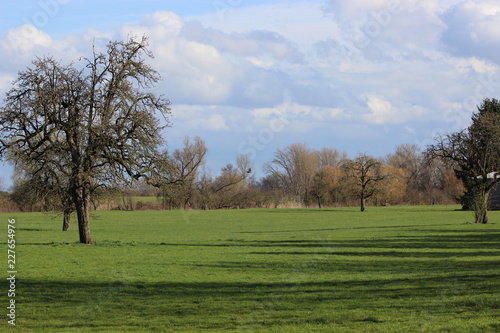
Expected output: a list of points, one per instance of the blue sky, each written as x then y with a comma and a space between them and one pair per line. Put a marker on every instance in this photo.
252, 76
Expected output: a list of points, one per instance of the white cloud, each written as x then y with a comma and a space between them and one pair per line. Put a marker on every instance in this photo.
163, 23
473, 29
217, 123
92, 34
193, 72
157, 26
261, 63
466, 65
199, 72
410, 130
381, 109
285, 110
255, 43
383, 112
326, 114
26, 38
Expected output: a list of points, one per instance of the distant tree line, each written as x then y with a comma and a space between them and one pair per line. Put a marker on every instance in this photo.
297, 176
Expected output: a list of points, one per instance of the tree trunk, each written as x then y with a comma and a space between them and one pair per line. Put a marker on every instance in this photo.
481, 207
82, 202
66, 218
363, 199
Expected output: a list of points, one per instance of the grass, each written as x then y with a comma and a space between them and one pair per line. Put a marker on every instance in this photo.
390, 269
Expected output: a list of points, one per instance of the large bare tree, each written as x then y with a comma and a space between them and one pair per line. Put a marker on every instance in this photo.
89, 124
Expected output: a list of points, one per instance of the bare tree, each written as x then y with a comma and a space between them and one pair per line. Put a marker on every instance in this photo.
231, 181
321, 184
204, 189
273, 189
366, 172
330, 157
423, 177
410, 158
181, 171
97, 122
296, 165
324, 182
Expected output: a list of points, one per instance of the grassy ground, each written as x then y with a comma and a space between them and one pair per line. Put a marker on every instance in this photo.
393, 269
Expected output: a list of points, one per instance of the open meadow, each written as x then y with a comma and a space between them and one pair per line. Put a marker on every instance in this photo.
390, 269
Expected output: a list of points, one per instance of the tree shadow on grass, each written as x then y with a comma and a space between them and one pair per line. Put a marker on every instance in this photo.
411, 226
449, 239
388, 254
355, 266
212, 305
475, 242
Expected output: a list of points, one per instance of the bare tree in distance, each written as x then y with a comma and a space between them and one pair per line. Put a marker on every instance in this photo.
329, 162
233, 178
231, 174
408, 157
98, 121
181, 169
330, 157
365, 170
296, 165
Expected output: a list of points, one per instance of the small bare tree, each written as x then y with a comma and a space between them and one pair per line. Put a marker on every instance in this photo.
366, 172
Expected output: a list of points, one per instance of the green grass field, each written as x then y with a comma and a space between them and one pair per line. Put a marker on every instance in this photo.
390, 269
